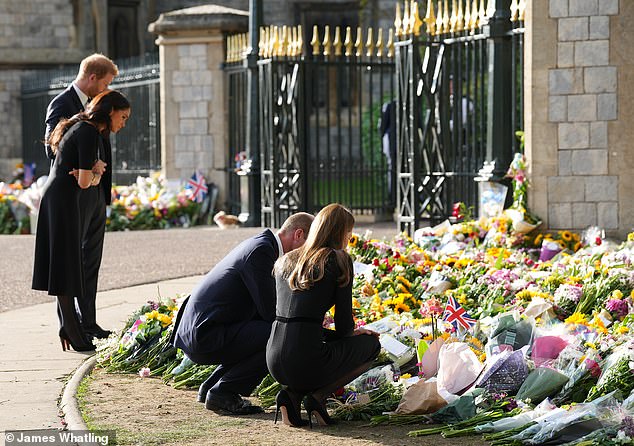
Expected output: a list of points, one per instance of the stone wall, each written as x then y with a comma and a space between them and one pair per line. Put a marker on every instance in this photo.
30, 30
10, 123
193, 94
573, 101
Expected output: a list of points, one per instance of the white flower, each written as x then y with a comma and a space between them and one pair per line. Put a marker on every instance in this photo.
144, 372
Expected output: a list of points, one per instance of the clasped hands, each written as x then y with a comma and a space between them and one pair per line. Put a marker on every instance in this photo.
98, 170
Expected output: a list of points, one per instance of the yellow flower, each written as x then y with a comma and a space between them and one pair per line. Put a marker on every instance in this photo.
402, 288
538, 239
598, 324
576, 318
617, 294
164, 319
405, 282
577, 246
401, 307
355, 303
482, 357
561, 244
623, 329
591, 345
151, 315
566, 235
406, 376
353, 241
630, 237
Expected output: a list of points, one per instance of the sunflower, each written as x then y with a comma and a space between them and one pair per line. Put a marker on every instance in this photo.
401, 307
538, 239
354, 239
404, 281
566, 235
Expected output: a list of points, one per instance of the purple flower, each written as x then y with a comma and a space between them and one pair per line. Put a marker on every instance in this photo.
628, 426
511, 405
618, 307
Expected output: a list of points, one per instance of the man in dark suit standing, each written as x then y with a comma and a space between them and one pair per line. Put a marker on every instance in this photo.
96, 72
228, 317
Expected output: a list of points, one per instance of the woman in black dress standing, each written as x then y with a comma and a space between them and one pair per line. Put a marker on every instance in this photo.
78, 144
301, 355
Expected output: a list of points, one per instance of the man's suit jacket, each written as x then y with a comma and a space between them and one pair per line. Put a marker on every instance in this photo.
63, 106
239, 288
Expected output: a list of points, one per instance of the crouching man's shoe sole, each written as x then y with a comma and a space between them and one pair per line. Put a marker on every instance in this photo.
233, 404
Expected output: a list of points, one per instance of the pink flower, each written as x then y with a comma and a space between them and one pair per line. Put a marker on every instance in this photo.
593, 366
144, 372
618, 307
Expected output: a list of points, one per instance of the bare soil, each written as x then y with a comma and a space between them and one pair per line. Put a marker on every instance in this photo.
144, 411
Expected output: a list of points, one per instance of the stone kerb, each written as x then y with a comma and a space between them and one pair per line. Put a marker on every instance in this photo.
193, 93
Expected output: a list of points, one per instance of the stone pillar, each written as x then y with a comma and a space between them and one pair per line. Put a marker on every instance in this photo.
575, 119
193, 93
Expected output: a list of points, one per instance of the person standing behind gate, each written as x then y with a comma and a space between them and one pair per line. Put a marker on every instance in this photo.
96, 73
227, 319
65, 213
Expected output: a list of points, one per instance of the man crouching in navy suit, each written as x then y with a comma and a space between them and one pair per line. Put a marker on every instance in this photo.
228, 317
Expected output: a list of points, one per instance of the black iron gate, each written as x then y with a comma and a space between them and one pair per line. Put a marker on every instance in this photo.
320, 140
450, 120
136, 150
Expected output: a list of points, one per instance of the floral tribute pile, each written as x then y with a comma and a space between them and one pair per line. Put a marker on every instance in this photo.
524, 339
149, 203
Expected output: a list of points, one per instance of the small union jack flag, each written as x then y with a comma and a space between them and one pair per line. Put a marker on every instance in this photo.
455, 315
197, 187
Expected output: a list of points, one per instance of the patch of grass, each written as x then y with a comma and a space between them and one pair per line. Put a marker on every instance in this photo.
176, 434
354, 191
82, 391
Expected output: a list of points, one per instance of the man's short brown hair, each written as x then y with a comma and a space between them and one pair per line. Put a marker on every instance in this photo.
97, 64
300, 220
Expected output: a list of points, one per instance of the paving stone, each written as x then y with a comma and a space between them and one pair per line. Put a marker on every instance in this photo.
582, 107
558, 108
607, 107
583, 7
560, 215
608, 215
565, 162
558, 8
599, 79
565, 54
599, 27
601, 188
572, 28
599, 135
565, 81
609, 7
592, 53
565, 189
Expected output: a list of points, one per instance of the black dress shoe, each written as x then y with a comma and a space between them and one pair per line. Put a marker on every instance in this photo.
230, 402
95, 331
210, 382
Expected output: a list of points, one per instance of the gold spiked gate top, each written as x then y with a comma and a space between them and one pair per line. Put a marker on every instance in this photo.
442, 17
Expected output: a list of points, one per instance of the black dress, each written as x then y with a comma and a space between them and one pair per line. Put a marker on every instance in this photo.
300, 353
58, 258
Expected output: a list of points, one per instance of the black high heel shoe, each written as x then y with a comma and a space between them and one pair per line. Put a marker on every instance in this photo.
291, 415
67, 343
315, 408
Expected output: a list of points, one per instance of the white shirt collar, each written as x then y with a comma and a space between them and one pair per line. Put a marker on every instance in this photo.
83, 97
279, 245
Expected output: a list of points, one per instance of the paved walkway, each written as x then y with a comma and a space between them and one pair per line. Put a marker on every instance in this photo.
33, 367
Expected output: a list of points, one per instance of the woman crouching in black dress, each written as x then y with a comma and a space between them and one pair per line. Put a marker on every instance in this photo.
301, 355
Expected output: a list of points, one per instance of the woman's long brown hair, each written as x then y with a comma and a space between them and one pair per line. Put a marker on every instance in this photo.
305, 266
97, 113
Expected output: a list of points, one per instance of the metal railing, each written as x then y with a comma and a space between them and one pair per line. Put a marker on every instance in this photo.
449, 105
